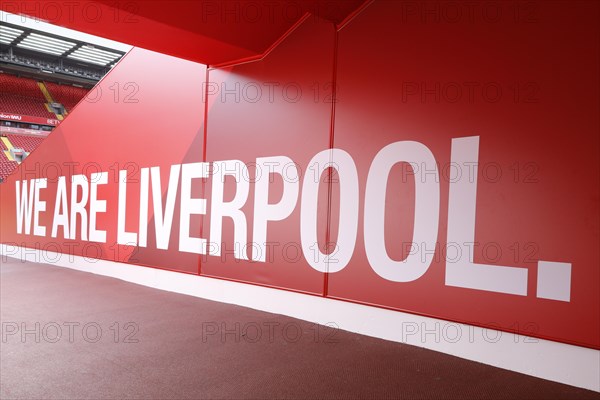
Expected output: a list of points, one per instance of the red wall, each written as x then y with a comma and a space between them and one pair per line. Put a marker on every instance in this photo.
519, 79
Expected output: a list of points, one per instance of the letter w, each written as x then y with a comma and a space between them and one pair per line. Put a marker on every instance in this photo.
24, 206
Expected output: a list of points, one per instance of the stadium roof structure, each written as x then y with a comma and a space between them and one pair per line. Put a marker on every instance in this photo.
30, 51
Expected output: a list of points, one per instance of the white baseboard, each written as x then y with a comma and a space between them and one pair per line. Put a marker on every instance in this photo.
572, 365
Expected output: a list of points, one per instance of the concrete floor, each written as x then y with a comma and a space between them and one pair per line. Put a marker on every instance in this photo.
73, 335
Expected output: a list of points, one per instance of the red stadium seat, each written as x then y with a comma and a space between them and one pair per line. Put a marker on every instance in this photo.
20, 86
22, 96
6, 166
67, 95
27, 143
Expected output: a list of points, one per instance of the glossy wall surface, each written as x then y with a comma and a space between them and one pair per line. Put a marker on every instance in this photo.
496, 107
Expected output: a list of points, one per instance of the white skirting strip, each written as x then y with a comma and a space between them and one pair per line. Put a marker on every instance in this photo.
572, 365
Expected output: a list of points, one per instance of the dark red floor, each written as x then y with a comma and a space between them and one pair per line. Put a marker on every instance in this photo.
168, 356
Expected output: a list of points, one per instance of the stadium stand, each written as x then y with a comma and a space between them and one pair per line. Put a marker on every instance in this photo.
67, 95
25, 96
6, 166
22, 96
22, 86
24, 106
27, 143
34, 79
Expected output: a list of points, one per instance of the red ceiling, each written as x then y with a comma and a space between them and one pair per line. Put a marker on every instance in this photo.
210, 32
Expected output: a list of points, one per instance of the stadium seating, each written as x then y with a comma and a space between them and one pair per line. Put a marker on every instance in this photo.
27, 143
6, 166
67, 95
11, 103
20, 86
22, 96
